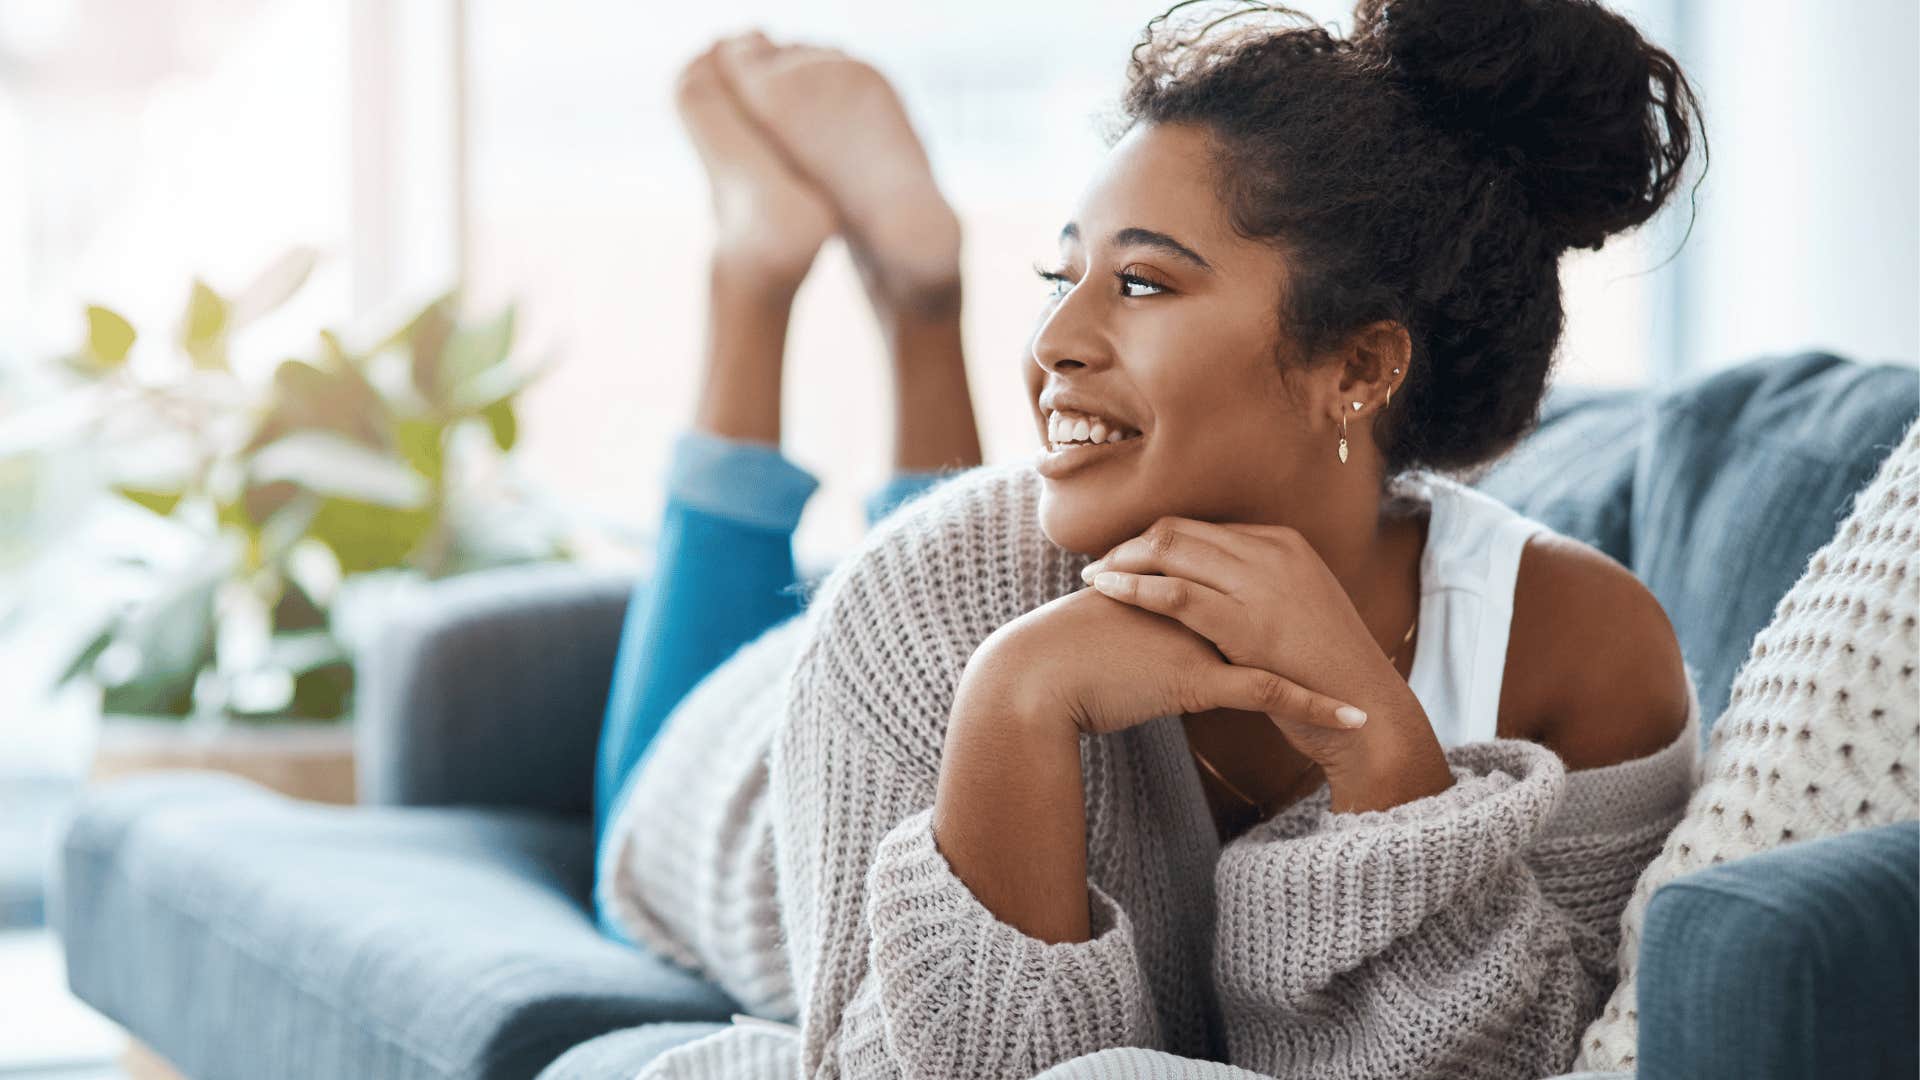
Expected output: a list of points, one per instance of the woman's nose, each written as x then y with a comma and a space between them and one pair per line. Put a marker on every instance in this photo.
1070, 338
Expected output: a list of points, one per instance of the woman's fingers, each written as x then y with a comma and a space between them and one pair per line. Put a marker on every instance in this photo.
1254, 689
1199, 551
1204, 610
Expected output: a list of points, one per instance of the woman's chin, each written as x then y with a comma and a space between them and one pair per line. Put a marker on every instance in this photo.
1075, 524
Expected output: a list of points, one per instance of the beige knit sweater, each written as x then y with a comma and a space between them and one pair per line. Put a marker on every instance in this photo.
778, 841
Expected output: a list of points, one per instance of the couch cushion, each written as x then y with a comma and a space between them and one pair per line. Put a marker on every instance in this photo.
1575, 471
242, 934
1741, 476
1793, 962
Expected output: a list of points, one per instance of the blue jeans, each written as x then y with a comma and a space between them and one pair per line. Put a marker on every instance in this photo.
724, 573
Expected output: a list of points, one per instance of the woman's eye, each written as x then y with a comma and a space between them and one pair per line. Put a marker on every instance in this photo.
1128, 281
1057, 283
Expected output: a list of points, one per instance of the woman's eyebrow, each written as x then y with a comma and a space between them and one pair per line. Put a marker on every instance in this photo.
1138, 237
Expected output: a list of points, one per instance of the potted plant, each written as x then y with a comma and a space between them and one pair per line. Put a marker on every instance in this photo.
278, 497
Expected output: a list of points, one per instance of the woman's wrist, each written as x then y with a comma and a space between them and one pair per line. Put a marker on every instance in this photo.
1393, 760
1010, 814
1387, 782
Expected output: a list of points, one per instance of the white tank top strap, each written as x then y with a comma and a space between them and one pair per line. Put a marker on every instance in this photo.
1467, 575
1489, 652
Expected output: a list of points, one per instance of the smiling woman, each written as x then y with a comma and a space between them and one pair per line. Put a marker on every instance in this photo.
1312, 276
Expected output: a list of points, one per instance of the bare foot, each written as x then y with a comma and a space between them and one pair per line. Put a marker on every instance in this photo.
842, 125
768, 218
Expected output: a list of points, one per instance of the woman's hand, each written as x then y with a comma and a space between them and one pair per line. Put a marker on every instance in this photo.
1106, 666
1009, 814
1263, 596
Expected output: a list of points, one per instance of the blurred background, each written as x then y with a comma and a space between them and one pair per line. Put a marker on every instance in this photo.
490, 209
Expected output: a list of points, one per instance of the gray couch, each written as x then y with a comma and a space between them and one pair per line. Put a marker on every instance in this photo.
443, 930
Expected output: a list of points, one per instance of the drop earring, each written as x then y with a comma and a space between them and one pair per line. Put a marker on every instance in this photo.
1343, 433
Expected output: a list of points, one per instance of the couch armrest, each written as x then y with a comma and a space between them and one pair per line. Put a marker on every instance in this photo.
1795, 962
490, 689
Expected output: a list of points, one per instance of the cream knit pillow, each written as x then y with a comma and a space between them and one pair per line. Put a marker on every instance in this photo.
1819, 735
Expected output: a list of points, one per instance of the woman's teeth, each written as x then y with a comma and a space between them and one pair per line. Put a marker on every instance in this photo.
1066, 430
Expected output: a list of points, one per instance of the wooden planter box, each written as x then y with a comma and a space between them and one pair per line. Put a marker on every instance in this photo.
303, 759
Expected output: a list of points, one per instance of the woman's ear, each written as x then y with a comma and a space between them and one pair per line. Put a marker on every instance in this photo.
1378, 356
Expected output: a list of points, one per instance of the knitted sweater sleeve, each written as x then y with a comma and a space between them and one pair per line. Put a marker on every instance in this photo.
900, 971
1469, 932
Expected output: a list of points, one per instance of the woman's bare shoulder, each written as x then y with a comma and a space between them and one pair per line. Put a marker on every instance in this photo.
1601, 675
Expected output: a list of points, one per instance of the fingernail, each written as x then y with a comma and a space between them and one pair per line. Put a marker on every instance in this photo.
1350, 716
1092, 568
1104, 580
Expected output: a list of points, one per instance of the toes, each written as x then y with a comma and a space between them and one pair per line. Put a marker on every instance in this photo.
741, 53
699, 79
711, 112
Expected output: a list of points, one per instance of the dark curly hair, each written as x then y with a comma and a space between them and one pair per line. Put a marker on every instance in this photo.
1429, 168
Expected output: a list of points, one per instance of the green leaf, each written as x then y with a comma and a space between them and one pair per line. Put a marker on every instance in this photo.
203, 333
275, 285
109, 337
172, 633
501, 421
489, 386
423, 444
400, 337
367, 537
475, 349
333, 398
330, 465
335, 357
427, 338
286, 526
82, 662
334, 353
160, 502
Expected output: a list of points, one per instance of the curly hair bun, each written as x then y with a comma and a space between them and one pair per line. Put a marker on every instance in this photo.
1591, 120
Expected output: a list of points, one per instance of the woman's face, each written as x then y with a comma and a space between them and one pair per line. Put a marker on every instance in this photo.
1166, 321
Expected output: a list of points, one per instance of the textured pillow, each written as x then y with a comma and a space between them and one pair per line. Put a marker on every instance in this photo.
1819, 735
